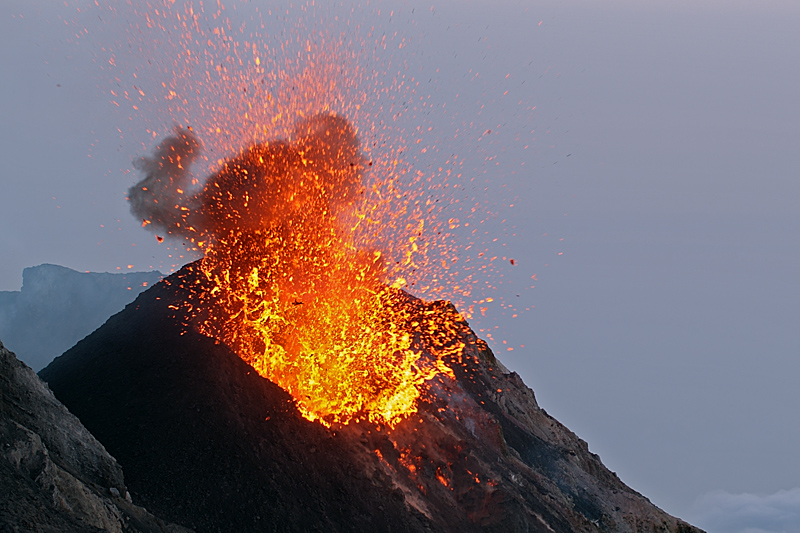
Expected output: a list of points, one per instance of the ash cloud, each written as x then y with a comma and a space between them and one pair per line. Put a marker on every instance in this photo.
311, 177
161, 199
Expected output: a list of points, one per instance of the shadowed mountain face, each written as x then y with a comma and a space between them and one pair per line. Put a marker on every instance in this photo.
54, 475
58, 306
206, 442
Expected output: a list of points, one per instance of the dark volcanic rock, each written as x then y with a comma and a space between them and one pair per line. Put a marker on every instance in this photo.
58, 306
56, 477
205, 441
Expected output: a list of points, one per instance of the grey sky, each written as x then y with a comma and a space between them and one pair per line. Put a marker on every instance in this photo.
665, 155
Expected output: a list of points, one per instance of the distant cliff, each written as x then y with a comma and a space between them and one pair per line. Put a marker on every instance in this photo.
58, 306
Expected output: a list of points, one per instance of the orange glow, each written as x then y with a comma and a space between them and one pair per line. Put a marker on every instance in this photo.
294, 295
220, 71
314, 219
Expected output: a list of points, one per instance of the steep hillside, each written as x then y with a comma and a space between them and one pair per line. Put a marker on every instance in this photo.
55, 476
205, 441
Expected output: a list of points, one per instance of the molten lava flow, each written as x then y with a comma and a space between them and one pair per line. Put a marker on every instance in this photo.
298, 249
306, 311
292, 294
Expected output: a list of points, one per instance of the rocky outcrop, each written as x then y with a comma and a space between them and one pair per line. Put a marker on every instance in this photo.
207, 442
58, 306
55, 475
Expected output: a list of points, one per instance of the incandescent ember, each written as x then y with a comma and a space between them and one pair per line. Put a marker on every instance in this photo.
291, 293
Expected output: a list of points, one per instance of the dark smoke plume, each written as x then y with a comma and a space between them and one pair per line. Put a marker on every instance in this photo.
312, 176
161, 199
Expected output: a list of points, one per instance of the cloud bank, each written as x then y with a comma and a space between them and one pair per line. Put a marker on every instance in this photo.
722, 512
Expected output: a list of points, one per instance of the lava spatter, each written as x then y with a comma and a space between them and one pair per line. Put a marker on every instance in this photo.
291, 292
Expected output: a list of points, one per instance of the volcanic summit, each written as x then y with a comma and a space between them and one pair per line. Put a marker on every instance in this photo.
286, 382
208, 443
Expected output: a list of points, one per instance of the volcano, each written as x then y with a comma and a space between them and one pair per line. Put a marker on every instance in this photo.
207, 442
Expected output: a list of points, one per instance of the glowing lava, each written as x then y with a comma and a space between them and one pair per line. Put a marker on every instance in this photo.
306, 312
301, 304
292, 294
305, 257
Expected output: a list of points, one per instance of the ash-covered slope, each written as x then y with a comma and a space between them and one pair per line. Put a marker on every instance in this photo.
55, 476
208, 443
58, 306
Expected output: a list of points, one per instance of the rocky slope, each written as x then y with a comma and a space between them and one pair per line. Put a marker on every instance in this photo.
58, 306
55, 475
208, 443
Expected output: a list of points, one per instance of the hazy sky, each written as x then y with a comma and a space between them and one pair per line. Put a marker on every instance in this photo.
656, 203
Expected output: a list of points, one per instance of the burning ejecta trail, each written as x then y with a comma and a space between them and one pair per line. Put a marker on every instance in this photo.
290, 291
